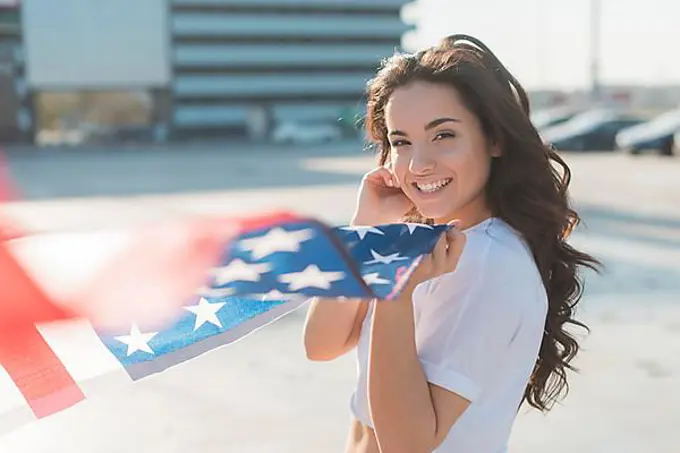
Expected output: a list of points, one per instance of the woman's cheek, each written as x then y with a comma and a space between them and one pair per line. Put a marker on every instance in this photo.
399, 167
451, 156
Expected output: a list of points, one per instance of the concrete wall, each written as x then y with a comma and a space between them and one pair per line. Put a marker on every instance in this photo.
81, 44
285, 60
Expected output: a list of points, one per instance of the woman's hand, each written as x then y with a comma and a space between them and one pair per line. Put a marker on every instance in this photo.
380, 199
443, 258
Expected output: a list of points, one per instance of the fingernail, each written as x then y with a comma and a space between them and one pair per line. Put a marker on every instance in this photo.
390, 183
454, 223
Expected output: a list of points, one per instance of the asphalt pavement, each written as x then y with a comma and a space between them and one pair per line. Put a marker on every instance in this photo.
261, 395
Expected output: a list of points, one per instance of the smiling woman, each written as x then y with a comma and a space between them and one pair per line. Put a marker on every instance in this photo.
479, 327
437, 161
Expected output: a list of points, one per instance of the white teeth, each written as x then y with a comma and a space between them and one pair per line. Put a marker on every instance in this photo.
433, 187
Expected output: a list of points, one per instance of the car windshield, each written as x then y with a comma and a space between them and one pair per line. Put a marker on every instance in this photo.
591, 118
668, 120
543, 118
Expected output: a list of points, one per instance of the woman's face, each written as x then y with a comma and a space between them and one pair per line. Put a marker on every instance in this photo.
438, 152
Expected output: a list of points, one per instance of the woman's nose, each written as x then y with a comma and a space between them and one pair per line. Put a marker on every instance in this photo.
421, 162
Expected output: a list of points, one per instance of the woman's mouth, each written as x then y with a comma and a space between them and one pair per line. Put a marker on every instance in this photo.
432, 187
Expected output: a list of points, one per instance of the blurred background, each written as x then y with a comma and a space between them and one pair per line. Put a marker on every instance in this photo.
79, 72
116, 112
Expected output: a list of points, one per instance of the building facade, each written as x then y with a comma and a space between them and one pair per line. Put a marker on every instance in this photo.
214, 68
16, 119
240, 66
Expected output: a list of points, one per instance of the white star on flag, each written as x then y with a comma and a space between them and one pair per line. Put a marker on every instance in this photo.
362, 231
311, 277
205, 312
414, 226
374, 278
276, 240
240, 270
275, 294
137, 341
378, 258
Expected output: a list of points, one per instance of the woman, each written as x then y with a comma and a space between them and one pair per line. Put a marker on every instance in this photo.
480, 326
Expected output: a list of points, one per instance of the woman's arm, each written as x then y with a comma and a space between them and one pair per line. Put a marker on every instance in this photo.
332, 327
409, 414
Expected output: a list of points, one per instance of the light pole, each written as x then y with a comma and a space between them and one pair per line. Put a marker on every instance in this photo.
595, 18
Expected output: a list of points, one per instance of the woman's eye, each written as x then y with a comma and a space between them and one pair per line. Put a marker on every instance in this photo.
442, 135
398, 143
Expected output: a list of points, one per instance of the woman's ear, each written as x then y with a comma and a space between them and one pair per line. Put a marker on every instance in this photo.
495, 150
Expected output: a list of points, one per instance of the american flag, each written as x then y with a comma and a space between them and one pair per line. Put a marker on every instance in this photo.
268, 269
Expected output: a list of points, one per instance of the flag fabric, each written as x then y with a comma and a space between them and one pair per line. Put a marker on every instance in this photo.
266, 268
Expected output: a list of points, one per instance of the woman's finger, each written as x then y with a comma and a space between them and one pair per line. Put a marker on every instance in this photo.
387, 177
393, 177
439, 254
455, 241
395, 181
381, 176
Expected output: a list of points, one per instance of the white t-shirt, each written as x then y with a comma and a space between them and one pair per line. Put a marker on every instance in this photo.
478, 334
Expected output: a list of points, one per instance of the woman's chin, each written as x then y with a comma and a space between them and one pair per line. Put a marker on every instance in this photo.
441, 215
435, 205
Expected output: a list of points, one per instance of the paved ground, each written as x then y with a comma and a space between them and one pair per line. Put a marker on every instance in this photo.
261, 395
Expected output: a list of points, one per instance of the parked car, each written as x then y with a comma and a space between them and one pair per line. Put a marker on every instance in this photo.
306, 133
545, 118
591, 130
57, 137
657, 134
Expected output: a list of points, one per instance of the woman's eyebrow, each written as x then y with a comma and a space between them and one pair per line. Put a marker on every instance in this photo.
432, 124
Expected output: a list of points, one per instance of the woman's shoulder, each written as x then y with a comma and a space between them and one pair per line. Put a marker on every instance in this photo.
493, 244
496, 276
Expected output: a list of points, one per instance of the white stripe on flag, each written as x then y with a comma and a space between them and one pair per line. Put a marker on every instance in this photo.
84, 356
88, 361
14, 410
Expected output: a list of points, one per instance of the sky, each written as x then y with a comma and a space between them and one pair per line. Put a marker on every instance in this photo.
546, 43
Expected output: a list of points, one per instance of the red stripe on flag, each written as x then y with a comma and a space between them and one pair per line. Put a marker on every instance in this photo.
37, 371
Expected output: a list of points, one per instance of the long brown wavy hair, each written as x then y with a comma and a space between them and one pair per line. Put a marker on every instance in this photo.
527, 187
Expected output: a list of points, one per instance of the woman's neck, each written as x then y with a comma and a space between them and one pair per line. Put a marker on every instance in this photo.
469, 215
